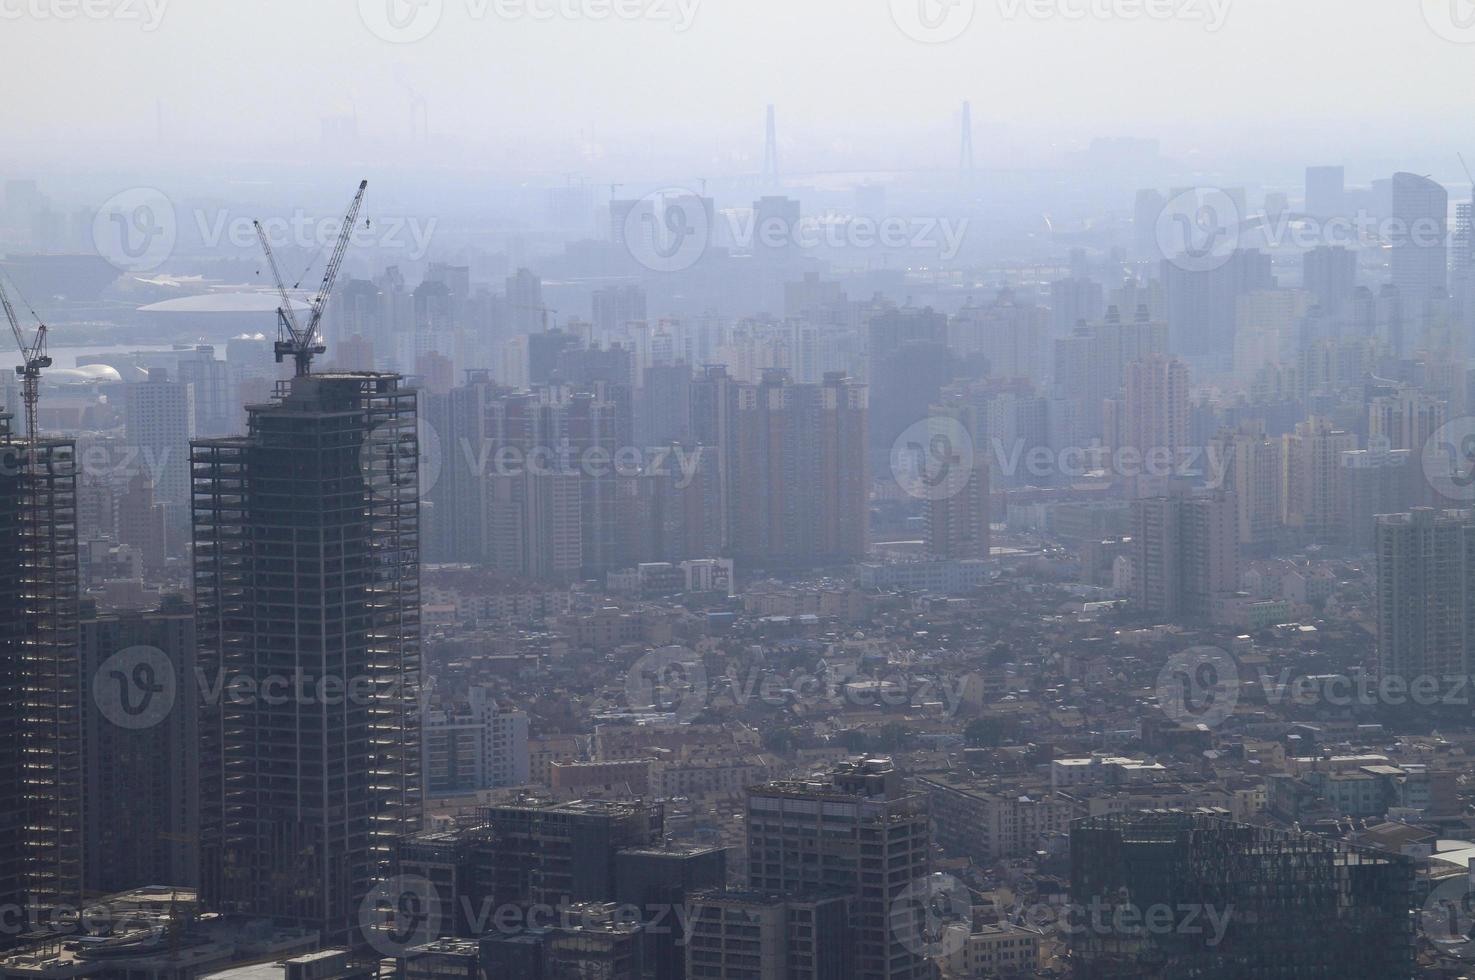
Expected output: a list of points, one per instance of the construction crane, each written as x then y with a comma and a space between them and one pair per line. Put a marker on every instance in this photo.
544, 310
293, 339
34, 356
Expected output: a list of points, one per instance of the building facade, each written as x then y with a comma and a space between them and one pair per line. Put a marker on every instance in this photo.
307, 594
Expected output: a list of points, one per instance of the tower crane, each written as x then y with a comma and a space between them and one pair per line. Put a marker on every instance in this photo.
544, 310
303, 343
35, 358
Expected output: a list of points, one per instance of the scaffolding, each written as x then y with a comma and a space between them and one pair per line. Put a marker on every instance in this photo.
41, 831
306, 537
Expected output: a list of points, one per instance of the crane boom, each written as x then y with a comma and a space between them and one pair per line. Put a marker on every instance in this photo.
292, 338
20, 340
286, 319
33, 356
335, 261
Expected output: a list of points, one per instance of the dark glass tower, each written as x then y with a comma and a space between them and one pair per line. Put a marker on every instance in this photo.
1233, 900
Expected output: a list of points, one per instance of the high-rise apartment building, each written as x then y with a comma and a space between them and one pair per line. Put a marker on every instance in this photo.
473, 745
1404, 419
1155, 417
1329, 274
1011, 334
1090, 367
457, 529
1426, 576
552, 495
1377, 481
1185, 553
1313, 495
1074, 301
800, 474
615, 307
1252, 468
1201, 302
160, 424
859, 833
307, 593
525, 309
956, 514
142, 696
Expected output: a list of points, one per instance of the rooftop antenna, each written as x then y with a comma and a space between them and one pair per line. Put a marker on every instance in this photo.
770, 149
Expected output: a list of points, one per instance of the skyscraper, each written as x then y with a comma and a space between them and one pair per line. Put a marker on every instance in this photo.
1314, 497
1426, 573
1185, 552
143, 799
307, 574
161, 423
1405, 419
801, 476
1329, 274
1156, 400
457, 526
1146, 209
615, 307
1090, 366
1201, 302
1420, 247
859, 832
1253, 469
958, 523
41, 831
552, 499
1325, 192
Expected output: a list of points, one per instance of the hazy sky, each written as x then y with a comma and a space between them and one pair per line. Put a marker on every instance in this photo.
543, 85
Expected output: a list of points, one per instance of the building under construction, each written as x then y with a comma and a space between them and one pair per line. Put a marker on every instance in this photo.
306, 555
1178, 894
41, 834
